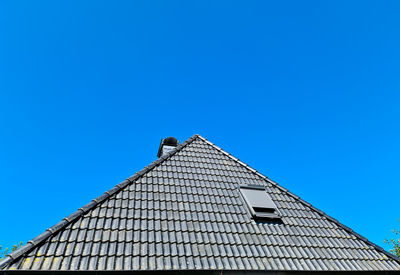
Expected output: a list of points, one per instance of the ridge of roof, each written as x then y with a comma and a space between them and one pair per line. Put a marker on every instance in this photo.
346, 228
84, 209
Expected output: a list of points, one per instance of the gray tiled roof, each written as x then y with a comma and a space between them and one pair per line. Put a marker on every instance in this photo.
184, 212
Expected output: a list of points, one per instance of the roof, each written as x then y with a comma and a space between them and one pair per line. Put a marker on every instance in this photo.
184, 212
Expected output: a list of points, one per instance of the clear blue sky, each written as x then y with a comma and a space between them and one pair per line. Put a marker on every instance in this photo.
308, 93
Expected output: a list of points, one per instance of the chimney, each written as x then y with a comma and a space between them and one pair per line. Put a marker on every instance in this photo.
167, 145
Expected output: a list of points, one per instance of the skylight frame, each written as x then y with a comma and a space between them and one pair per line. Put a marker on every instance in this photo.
269, 212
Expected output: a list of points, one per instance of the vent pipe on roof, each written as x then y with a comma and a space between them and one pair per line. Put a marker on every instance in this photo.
167, 145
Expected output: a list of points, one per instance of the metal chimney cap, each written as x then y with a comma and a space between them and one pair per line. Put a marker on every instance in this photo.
170, 141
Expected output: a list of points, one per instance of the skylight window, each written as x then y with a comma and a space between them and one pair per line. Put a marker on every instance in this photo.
260, 204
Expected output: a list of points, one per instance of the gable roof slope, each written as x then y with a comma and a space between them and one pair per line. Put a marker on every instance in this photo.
184, 212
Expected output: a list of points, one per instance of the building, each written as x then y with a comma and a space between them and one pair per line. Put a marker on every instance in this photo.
198, 209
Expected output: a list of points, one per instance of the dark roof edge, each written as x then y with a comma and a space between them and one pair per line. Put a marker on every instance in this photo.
346, 228
83, 210
201, 272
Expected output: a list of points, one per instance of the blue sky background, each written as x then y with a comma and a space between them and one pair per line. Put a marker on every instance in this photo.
305, 92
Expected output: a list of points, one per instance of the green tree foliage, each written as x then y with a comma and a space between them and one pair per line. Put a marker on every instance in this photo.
394, 243
4, 252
